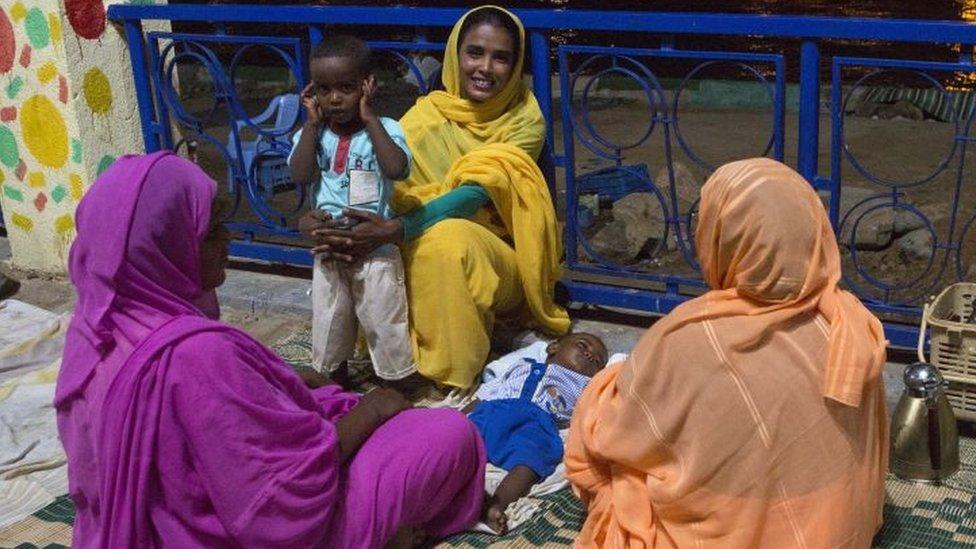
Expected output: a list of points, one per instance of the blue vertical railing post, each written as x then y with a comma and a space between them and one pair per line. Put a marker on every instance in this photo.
808, 149
779, 110
542, 87
155, 75
836, 142
569, 159
147, 112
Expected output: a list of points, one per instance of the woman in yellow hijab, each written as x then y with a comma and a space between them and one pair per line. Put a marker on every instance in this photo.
753, 415
477, 228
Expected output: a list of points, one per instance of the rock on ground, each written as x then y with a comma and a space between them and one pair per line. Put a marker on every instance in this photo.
875, 231
881, 228
917, 244
686, 186
899, 110
638, 225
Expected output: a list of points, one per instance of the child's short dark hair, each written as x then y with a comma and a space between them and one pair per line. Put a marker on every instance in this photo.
343, 45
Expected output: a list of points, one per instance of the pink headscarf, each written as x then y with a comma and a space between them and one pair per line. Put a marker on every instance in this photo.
139, 267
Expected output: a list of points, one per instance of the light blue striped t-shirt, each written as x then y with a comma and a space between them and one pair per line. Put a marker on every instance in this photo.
338, 155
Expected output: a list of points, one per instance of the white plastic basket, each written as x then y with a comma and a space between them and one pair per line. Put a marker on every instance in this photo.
952, 344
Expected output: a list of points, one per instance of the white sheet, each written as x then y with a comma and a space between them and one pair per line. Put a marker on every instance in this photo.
30, 338
32, 471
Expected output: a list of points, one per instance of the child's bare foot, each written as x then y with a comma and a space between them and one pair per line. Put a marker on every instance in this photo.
494, 516
340, 376
407, 537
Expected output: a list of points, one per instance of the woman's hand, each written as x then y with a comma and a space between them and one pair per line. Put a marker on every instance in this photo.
313, 379
349, 245
375, 408
313, 221
385, 403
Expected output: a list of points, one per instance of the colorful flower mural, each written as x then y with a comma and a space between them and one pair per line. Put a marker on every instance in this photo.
35, 139
66, 112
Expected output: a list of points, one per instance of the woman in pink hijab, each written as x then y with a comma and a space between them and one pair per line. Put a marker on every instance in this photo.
186, 432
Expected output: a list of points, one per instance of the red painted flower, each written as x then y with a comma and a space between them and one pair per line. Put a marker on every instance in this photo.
87, 17
63, 89
40, 202
8, 44
25, 56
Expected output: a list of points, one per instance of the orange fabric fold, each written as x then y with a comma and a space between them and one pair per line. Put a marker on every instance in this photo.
753, 415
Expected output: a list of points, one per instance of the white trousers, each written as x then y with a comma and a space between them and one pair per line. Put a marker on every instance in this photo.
373, 292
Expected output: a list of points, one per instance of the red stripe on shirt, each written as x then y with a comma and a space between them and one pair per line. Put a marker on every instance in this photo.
342, 154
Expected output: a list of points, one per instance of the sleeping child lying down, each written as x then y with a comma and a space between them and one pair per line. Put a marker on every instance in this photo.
519, 414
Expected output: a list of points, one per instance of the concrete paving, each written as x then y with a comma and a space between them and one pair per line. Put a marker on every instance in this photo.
259, 292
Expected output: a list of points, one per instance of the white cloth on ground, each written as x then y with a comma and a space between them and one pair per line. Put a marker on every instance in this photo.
32, 471
30, 337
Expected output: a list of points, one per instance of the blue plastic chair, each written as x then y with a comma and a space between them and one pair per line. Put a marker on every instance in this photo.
270, 150
610, 185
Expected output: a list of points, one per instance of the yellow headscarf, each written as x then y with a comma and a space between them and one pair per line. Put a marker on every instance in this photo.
494, 144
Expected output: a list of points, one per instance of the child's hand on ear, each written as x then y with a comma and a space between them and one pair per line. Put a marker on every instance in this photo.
366, 101
313, 111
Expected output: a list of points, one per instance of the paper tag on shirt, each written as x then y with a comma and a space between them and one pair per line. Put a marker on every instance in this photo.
364, 187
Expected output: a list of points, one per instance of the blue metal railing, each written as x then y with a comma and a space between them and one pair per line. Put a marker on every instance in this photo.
667, 271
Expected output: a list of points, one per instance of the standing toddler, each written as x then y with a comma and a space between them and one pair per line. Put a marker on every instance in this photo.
350, 157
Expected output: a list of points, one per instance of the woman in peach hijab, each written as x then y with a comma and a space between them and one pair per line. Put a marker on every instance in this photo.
752, 416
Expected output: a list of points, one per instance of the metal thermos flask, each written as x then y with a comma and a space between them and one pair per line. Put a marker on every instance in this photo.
924, 437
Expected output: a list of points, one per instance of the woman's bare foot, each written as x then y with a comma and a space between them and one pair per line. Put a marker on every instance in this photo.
494, 516
407, 537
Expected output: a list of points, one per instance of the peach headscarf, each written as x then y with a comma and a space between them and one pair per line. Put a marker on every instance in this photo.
752, 415
768, 252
